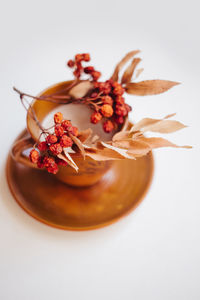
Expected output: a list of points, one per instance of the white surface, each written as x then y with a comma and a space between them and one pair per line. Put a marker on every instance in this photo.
154, 252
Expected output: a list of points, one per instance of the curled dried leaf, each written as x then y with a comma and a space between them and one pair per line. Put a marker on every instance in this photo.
126, 78
85, 135
149, 87
78, 144
158, 125
165, 126
68, 159
95, 138
126, 124
155, 142
104, 155
120, 65
122, 152
135, 147
121, 135
89, 147
81, 89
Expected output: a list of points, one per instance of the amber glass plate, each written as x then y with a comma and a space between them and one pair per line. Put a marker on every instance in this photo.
54, 203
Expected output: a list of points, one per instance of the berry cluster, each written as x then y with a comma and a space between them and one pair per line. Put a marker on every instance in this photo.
106, 98
46, 155
111, 104
79, 69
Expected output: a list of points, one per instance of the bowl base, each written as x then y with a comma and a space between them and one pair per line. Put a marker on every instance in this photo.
55, 203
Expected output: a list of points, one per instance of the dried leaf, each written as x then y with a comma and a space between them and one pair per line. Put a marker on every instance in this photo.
120, 65
149, 87
165, 126
104, 154
169, 116
126, 124
89, 147
126, 78
68, 159
155, 142
95, 138
124, 135
134, 147
85, 135
81, 89
138, 72
78, 144
122, 152
158, 125
121, 135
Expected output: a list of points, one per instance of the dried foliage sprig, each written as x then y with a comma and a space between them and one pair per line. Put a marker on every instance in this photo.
106, 99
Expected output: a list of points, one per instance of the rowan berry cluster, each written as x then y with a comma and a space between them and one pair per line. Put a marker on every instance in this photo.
106, 98
111, 104
46, 154
76, 64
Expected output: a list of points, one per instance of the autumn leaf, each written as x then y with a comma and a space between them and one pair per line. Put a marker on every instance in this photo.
157, 142
120, 65
158, 125
104, 155
134, 147
68, 159
149, 87
126, 78
122, 152
78, 144
84, 135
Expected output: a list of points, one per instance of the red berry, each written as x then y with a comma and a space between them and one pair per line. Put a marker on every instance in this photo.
78, 58
77, 73
50, 165
94, 95
70, 63
51, 139
95, 117
42, 146
99, 86
59, 131
73, 130
58, 117
128, 107
107, 100
47, 161
120, 100
89, 69
107, 87
40, 162
53, 168
60, 162
107, 110
108, 126
118, 91
66, 141
34, 156
96, 75
120, 110
115, 84
86, 56
110, 81
119, 120
65, 124
56, 149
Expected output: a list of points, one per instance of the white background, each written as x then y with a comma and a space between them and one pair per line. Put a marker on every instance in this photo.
154, 253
